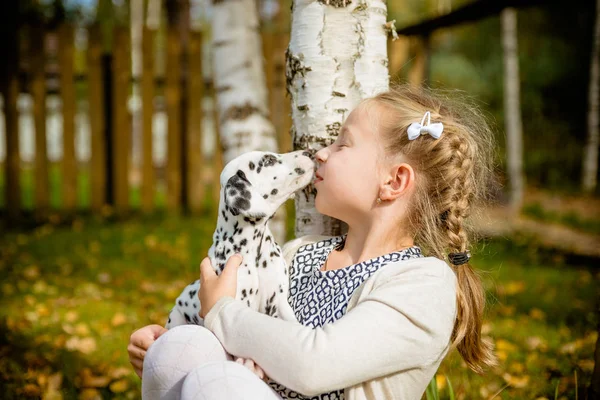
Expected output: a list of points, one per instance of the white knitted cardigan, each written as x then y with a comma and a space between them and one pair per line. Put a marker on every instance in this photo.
389, 345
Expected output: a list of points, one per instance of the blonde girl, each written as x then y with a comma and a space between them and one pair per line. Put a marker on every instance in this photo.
379, 307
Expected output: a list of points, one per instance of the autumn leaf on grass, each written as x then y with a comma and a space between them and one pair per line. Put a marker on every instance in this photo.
71, 316
90, 394
120, 372
53, 387
87, 380
511, 288
538, 314
118, 319
518, 382
119, 386
535, 342
83, 345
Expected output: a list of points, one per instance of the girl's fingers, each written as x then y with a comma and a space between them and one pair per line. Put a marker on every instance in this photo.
206, 271
232, 265
136, 362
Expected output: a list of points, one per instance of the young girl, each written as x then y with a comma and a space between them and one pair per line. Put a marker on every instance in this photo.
376, 316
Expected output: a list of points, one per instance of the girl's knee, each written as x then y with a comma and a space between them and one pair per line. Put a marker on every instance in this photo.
225, 380
174, 354
187, 341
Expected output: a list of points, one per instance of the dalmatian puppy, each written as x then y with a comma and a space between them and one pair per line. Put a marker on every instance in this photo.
253, 186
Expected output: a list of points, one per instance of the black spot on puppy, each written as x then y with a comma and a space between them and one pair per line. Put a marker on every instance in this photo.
241, 204
251, 166
274, 192
242, 175
299, 171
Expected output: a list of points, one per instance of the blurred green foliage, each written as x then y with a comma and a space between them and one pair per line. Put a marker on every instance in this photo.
554, 49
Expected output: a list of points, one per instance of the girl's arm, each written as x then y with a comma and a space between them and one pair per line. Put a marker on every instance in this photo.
403, 324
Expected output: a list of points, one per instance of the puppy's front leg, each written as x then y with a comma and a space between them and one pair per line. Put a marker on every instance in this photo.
284, 310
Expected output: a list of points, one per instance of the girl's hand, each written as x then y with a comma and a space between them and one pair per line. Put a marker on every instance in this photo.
213, 286
139, 342
253, 367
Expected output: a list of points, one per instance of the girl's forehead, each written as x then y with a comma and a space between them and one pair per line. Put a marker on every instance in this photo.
364, 119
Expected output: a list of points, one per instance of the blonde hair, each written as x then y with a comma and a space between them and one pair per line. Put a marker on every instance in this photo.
451, 174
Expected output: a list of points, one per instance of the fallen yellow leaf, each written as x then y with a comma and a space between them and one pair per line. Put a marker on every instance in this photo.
82, 329
119, 386
90, 394
118, 319
502, 344
120, 372
85, 345
514, 287
516, 381
536, 313
71, 316
88, 380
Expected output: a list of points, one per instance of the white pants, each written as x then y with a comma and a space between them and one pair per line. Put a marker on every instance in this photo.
188, 362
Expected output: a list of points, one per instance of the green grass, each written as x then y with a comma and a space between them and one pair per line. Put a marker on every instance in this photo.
71, 295
27, 188
570, 219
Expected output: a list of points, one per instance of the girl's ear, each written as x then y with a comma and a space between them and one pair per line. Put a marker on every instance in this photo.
399, 182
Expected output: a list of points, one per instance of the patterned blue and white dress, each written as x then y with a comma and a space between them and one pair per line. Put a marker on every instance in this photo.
321, 297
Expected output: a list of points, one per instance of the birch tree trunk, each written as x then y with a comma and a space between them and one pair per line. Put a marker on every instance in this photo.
512, 108
590, 158
337, 56
239, 79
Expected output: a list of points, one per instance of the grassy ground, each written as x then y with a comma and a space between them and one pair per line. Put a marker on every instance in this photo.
73, 293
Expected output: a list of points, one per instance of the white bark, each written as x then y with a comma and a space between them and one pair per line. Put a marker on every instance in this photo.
512, 108
337, 56
590, 158
240, 84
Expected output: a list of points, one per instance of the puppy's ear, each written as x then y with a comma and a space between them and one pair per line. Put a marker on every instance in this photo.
240, 197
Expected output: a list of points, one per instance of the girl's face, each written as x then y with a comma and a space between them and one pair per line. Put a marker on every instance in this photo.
347, 179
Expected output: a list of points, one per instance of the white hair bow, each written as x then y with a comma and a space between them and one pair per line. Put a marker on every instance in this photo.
417, 129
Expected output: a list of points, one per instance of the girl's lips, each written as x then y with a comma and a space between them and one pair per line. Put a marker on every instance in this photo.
317, 179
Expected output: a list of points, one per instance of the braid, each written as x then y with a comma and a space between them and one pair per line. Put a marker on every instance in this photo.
466, 335
452, 173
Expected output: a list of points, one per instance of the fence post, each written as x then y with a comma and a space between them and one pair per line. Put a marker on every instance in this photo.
397, 56
67, 94
38, 93
147, 113
97, 123
121, 120
173, 100
195, 156
418, 75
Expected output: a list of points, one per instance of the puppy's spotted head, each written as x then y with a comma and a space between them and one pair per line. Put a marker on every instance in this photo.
255, 184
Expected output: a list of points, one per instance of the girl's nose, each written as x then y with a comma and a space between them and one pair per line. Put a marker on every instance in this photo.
322, 155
